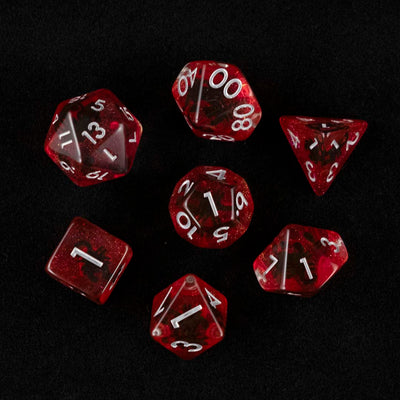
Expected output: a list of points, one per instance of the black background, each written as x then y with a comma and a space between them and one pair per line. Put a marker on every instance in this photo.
339, 59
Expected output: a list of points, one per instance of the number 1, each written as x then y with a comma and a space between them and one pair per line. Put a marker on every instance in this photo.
78, 252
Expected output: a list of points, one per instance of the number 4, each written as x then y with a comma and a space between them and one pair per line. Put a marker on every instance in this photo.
218, 173
213, 300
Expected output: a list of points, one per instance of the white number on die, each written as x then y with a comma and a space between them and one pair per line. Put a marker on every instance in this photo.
223, 82
99, 105
326, 242
221, 234
183, 81
195, 346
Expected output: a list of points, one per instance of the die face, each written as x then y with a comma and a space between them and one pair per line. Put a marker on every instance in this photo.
211, 207
216, 101
300, 260
322, 146
93, 138
89, 260
188, 317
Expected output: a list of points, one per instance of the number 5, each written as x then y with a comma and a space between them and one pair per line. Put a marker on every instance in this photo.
99, 105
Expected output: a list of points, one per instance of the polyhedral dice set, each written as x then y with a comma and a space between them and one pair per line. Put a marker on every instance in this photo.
94, 138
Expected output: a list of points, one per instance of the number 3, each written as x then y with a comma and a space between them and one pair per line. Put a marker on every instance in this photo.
310, 166
326, 242
197, 347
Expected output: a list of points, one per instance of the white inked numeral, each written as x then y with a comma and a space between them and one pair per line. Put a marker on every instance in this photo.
78, 252
238, 114
245, 123
187, 185
307, 267
184, 80
213, 300
218, 173
99, 105
223, 82
175, 321
111, 156
314, 144
61, 135
222, 138
272, 265
326, 242
133, 140
67, 167
331, 174
86, 135
295, 139
185, 223
221, 234
96, 175
208, 196
161, 307
55, 119
335, 144
241, 201
310, 168
352, 142
195, 346
95, 127
77, 98
127, 113
242, 124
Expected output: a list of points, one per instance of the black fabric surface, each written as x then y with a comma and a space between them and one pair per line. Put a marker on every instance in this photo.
334, 59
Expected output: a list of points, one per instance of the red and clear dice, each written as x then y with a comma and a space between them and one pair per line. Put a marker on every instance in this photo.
93, 138
216, 101
211, 207
300, 260
322, 146
89, 260
188, 317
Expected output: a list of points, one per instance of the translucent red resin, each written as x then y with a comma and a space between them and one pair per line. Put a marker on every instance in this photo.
300, 260
216, 101
89, 260
188, 317
211, 207
322, 145
93, 138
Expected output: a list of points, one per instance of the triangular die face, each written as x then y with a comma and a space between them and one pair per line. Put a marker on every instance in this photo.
322, 145
300, 260
111, 153
64, 140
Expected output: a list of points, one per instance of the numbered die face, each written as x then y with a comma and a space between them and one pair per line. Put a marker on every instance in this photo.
89, 260
322, 146
93, 138
188, 317
300, 260
216, 101
211, 207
